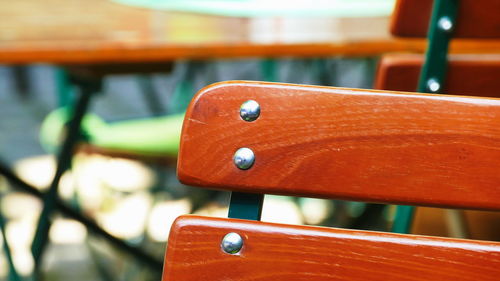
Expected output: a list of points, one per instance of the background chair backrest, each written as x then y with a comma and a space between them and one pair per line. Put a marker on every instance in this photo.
471, 75
476, 18
439, 21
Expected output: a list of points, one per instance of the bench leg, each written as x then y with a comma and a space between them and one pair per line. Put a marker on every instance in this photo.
135, 251
13, 275
63, 163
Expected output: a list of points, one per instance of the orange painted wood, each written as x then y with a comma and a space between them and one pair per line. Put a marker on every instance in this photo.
353, 144
275, 252
473, 75
476, 18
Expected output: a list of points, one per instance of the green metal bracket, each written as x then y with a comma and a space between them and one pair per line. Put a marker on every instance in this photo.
269, 68
443, 20
247, 206
63, 87
13, 275
432, 76
184, 89
403, 219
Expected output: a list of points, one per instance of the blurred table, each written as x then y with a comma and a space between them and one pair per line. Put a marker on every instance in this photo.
100, 31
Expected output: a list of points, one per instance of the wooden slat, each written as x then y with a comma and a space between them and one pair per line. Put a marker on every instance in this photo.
350, 144
274, 252
476, 18
473, 75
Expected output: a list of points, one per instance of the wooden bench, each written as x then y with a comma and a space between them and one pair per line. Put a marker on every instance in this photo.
365, 145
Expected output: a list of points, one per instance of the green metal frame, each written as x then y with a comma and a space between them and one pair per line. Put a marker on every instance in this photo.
72, 213
247, 206
434, 69
184, 88
63, 163
13, 275
269, 70
87, 86
63, 87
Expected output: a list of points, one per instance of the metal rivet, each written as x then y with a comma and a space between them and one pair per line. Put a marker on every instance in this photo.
445, 24
243, 158
231, 243
433, 85
250, 110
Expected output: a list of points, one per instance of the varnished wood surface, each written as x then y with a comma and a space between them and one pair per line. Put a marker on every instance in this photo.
353, 144
473, 75
99, 31
277, 252
476, 18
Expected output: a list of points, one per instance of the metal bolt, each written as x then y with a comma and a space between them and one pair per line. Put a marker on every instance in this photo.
243, 158
433, 85
231, 243
445, 24
250, 110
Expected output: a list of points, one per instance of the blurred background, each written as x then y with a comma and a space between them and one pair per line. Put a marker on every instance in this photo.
148, 58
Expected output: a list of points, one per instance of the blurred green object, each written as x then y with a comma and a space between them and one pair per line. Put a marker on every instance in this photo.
157, 136
270, 8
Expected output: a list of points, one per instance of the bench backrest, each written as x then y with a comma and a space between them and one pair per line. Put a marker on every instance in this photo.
366, 145
274, 252
336, 143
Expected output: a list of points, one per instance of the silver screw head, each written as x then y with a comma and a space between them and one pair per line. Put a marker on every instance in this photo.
232, 243
433, 85
244, 158
445, 24
250, 110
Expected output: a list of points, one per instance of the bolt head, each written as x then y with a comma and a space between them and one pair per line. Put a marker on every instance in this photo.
433, 85
250, 110
445, 24
244, 158
232, 243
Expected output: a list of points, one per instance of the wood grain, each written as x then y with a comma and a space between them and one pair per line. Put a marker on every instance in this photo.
277, 252
476, 18
353, 144
473, 75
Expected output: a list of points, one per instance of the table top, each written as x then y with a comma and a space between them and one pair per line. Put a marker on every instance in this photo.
100, 31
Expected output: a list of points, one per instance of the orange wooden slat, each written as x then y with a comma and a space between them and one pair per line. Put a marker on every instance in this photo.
275, 252
473, 75
365, 145
476, 18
